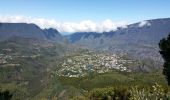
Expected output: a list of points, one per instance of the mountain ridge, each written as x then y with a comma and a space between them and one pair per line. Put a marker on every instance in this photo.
139, 39
26, 30
129, 28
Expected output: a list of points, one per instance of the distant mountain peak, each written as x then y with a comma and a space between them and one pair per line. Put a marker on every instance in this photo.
26, 30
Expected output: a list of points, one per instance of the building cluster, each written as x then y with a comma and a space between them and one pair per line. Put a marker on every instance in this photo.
83, 64
4, 58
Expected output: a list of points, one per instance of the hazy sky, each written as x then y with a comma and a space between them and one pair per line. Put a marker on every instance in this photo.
77, 11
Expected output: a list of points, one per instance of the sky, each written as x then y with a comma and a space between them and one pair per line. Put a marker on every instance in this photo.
70, 16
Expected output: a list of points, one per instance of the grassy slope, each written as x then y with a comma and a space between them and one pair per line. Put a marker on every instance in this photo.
73, 87
30, 76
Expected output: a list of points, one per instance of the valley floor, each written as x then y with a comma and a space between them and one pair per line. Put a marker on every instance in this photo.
32, 72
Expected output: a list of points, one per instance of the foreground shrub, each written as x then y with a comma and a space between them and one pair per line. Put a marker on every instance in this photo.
5, 95
156, 92
110, 93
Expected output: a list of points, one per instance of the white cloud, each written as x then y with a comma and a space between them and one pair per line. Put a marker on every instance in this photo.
69, 27
144, 23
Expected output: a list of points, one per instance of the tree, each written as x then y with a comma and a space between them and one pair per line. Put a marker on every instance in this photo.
5, 95
164, 46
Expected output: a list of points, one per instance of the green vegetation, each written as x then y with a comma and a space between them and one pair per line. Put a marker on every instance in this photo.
23, 65
5, 95
34, 70
156, 92
117, 81
120, 83
165, 52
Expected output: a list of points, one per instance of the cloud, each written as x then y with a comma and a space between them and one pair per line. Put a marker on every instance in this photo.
144, 23
68, 27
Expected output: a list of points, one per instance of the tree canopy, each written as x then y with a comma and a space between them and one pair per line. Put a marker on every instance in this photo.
164, 46
5, 95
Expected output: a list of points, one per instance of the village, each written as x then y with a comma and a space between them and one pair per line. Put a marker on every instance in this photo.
83, 64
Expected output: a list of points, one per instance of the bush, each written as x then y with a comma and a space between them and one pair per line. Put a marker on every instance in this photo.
156, 92
5, 95
164, 46
109, 93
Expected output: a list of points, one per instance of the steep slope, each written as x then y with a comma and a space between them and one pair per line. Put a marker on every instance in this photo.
139, 39
77, 36
26, 63
20, 29
25, 30
150, 31
53, 35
